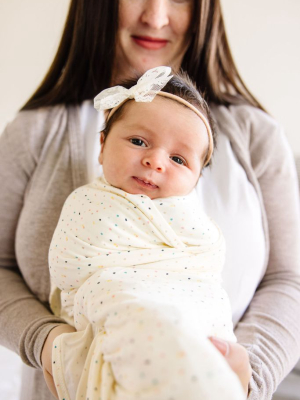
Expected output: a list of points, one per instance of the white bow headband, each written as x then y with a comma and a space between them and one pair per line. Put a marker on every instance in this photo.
145, 90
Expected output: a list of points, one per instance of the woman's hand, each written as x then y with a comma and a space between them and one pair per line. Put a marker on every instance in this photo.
237, 358
47, 354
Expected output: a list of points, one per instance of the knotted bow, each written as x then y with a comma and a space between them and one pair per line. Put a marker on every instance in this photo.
144, 91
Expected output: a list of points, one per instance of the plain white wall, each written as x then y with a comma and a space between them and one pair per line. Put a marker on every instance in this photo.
29, 36
265, 41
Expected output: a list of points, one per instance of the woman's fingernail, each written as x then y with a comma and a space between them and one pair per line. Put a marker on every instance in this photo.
221, 345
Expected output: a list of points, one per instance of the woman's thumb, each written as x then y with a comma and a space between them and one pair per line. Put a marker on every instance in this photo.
221, 345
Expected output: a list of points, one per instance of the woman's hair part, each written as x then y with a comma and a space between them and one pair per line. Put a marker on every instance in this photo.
84, 61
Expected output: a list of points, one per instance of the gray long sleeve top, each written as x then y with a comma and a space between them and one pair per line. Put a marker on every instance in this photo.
42, 159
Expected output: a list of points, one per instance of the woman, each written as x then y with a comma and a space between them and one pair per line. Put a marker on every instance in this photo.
250, 186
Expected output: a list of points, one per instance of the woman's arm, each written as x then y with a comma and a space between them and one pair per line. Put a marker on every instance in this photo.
270, 327
25, 322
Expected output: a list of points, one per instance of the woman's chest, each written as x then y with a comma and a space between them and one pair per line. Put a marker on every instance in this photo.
231, 200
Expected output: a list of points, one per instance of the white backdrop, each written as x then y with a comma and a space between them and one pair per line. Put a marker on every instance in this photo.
265, 41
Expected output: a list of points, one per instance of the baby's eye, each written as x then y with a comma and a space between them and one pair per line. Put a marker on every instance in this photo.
178, 160
138, 142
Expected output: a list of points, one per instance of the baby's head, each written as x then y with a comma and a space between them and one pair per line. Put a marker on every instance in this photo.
157, 148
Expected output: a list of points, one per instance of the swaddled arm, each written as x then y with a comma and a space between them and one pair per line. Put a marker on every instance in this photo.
73, 251
98, 224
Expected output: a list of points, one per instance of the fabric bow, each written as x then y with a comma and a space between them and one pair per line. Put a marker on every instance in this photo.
144, 91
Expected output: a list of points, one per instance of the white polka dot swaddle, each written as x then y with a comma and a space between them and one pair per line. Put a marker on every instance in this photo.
140, 280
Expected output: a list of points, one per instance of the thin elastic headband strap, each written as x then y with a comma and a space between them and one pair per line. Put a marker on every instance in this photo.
187, 104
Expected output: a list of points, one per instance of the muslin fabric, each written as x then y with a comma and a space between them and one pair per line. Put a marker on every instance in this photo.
140, 280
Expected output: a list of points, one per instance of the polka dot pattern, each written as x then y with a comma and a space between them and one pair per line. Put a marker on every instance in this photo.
134, 275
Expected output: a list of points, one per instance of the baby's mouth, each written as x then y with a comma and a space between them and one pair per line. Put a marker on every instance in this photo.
145, 183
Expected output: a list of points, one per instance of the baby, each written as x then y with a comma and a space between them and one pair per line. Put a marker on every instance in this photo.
136, 264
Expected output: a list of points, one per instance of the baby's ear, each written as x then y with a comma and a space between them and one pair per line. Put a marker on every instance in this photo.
102, 147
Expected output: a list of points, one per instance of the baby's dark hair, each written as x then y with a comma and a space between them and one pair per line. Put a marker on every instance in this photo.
179, 85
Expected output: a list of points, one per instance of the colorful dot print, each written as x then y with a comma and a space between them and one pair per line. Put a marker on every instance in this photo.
140, 280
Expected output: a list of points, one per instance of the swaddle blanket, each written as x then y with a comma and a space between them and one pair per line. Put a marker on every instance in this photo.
140, 280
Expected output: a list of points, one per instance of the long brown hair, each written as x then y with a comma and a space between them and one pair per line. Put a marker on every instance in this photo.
84, 60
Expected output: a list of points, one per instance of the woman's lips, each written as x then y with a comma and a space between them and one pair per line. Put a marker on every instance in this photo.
150, 43
144, 183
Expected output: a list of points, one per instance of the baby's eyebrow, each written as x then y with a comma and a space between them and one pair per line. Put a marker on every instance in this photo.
190, 149
140, 126
186, 146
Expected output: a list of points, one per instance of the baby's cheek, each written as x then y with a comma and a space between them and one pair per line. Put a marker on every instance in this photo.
110, 173
181, 185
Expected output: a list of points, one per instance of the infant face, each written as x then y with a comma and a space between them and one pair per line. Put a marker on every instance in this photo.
156, 149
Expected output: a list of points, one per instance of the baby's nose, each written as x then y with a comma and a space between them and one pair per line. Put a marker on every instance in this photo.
154, 161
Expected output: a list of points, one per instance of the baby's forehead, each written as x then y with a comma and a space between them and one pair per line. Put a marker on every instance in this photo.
163, 114
158, 108
179, 126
